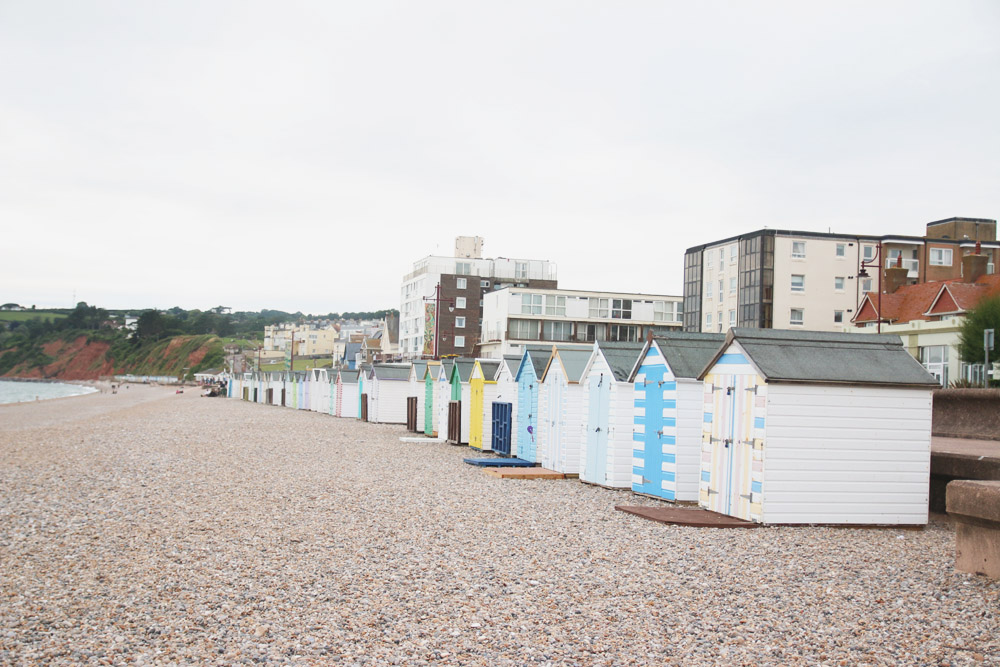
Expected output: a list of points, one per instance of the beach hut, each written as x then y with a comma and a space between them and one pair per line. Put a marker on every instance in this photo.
816, 427
504, 411
606, 455
430, 413
666, 452
442, 396
389, 388
302, 380
415, 397
364, 385
317, 389
533, 362
482, 392
562, 410
347, 393
458, 409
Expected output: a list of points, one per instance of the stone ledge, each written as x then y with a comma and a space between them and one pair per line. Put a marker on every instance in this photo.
975, 507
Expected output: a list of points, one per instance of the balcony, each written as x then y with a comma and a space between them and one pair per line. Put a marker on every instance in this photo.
912, 266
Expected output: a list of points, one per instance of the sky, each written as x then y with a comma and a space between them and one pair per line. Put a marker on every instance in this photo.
301, 156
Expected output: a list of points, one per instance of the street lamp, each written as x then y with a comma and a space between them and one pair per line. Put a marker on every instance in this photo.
874, 262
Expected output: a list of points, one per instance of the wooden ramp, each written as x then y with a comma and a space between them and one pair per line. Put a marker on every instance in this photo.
524, 473
499, 462
683, 516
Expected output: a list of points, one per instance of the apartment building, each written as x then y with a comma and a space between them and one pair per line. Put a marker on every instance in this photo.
441, 299
514, 317
784, 279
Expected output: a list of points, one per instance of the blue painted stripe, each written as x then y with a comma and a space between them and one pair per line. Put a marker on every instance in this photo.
668, 494
640, 402
670, 440
670, 405
669, 477
708, 418
758, 422
652, 352
638, 454
669, 386
639, 420
639, 437
732, 358
706, 476
669, 421
636, 470
670, 458
755, 487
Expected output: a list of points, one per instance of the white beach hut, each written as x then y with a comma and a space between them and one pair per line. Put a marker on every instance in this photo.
606, 456
389, 388
505, 441
815, 427
562, 410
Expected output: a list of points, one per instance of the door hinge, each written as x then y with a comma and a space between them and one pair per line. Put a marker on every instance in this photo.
713, 492
745, 495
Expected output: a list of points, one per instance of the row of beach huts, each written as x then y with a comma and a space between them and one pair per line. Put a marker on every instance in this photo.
770, 426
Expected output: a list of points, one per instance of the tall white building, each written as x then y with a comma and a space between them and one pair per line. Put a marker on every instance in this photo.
514, 317
441, 299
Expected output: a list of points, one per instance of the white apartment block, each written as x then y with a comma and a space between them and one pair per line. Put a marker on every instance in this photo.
420, 328
514, 317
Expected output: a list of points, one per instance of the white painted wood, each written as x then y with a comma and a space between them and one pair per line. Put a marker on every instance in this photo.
690, 397
846, 454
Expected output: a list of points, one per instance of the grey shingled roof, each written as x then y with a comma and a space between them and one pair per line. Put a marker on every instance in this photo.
447, 364
489, 368
464, 368
419, 367
687, 354
822, 357
349, 376
574, 361
621, 357
391, 372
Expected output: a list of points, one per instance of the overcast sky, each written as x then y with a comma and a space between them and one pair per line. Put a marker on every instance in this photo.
301, 156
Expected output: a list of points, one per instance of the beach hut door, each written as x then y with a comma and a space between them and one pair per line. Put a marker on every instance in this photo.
598, 423
501, 428
732, 446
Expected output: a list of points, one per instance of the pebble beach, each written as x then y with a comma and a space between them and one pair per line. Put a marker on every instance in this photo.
155, 528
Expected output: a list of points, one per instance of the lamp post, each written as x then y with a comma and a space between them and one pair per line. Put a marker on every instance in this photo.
874, 262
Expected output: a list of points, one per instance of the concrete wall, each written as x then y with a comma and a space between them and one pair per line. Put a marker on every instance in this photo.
967, 413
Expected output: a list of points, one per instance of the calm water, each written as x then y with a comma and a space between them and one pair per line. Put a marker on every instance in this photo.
15, 392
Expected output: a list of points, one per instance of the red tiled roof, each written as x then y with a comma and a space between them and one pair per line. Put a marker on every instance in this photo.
915, 302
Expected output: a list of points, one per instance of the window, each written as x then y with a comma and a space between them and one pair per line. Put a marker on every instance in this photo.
520, 270
590, 332
838, 283
461, 283
797, 316
708, 290
459, 341
524, 329
838, 316
558, 331
624, 332
484, 283
621, 309
708, 320
555, 305
722, 258
940, 256
460, 302
720, 290
799, 249
459, 322
708, 260
599, 307
531, 304
732, 285
719, 320
732, 252
869, 252
463, 268
866, 285
798, 283
935, 360
841, 250
659, 311
732, 318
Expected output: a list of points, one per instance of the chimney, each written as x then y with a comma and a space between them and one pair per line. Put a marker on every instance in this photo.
974, 265
895, 276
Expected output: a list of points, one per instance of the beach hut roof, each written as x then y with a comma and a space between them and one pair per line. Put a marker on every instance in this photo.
348, 375
432, 368
621, 357
687, 353
826, 357
391, 372
419, 368
463, 367
573, 361
489, 367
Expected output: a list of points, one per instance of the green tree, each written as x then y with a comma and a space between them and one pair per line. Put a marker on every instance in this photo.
986, 315
150, 325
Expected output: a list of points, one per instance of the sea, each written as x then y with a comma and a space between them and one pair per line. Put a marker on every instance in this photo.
17, 392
